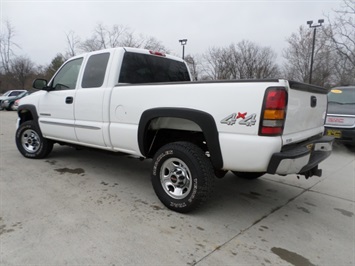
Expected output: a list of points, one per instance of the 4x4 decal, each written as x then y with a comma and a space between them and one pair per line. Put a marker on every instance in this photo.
248, 121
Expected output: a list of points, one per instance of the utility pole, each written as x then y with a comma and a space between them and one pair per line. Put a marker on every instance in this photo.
310, 22
183, 43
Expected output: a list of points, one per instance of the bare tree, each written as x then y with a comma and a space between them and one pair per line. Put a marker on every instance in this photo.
6, 46
267, 67
343, 30
251, 61
130, 40
152, 43
104, 37
343, 71
73, 42
342, 34
90, 44
193, 65
109, 38
22, 68
244, 60
215, 65
298, 57
115, 35
118, 35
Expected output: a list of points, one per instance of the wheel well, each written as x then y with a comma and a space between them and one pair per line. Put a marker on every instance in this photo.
26, 113
160, 137
24, 116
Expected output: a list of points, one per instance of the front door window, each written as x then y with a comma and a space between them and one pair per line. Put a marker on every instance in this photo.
67, 76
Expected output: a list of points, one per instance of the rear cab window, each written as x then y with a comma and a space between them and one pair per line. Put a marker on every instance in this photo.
95, 71
145, 68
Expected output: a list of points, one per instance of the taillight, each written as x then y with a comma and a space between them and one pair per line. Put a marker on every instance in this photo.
274, 112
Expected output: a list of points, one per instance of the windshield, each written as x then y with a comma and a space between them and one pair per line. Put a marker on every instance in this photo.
342, 96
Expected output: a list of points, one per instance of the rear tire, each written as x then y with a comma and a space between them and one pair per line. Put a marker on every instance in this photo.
182, 176
248, 175
31, 143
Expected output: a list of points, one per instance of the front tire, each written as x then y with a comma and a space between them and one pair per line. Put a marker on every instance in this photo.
31, 143
182, 176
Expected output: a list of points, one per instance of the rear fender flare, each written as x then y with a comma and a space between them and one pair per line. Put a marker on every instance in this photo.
204, 120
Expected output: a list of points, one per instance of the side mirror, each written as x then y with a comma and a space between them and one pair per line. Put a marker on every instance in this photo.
40, 84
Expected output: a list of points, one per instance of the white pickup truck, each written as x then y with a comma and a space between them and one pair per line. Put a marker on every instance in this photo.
143, 103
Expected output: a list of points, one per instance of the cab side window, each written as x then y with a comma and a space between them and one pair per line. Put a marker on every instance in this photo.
67, 76
95, 70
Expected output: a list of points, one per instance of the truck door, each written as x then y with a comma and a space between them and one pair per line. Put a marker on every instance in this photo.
56, 108
92, 102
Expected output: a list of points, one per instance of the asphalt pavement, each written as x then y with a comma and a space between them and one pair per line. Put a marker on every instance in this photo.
88, 207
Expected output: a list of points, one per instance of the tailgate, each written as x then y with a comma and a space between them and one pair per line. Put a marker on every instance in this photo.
306, 110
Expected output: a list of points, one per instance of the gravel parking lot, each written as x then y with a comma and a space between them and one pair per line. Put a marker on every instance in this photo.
86, 207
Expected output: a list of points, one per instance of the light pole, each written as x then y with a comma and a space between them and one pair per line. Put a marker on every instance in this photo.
310, 22
183, 43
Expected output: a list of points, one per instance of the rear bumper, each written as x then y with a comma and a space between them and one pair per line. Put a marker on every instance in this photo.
301, 159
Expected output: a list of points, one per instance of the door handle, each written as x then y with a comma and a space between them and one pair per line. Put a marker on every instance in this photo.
69, 100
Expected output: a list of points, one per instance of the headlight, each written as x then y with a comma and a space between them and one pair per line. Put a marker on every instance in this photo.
6, 101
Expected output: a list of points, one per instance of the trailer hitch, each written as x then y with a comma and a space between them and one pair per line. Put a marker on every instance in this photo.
314, 171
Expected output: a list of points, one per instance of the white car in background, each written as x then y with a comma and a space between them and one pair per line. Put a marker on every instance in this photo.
9, 95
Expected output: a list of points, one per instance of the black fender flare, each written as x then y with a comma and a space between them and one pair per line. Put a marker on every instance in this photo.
28, 108
204, 120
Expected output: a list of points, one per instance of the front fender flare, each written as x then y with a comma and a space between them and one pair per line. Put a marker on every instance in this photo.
23, 109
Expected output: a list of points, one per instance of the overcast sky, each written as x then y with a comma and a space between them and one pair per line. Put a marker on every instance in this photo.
41, 26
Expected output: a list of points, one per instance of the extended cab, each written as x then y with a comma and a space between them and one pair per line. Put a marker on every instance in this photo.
143, 103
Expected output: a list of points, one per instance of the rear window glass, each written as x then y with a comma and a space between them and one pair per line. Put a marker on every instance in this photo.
342, 96
95, 70
144, 68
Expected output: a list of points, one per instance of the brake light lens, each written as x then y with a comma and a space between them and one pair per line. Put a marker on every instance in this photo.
157, 53
275, 98
274, 112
